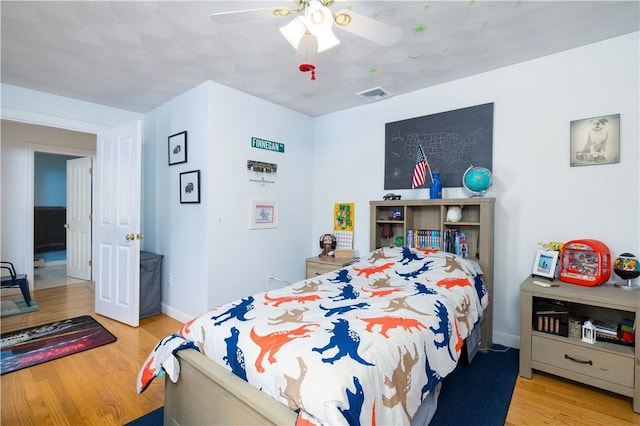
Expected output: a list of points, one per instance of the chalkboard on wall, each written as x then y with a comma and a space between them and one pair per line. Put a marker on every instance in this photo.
452, 141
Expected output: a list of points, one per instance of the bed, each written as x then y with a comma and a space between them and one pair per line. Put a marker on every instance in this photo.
366, 344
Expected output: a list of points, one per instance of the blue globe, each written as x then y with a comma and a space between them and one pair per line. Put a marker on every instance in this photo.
477, 180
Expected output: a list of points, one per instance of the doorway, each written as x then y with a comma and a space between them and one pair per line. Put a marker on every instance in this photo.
53, 276
60, 197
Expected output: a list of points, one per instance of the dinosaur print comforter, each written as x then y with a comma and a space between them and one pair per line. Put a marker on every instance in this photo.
362, 345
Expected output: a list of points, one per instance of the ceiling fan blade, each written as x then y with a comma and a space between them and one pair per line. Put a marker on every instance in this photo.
368, 28
241, 16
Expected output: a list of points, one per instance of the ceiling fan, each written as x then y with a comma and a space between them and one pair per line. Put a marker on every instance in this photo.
314, 17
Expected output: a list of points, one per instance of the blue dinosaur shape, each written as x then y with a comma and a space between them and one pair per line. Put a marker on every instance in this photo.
414, 274
238, 311
479, 286
347, 293
444, 328
343, 309
433, 378
423, 289
356, 401
345, 340
408, 256
235, 357
342, 276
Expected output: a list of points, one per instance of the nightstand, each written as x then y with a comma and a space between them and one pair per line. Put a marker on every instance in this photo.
321, 265
556, 350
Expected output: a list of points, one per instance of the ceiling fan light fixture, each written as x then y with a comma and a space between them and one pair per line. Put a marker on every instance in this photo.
326, 40
294, 31
319, 20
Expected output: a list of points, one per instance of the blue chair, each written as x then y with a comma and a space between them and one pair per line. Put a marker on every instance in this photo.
15, 280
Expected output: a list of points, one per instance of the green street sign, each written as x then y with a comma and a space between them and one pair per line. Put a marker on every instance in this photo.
268, 145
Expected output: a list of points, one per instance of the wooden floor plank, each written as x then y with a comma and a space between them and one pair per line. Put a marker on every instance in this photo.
97, 387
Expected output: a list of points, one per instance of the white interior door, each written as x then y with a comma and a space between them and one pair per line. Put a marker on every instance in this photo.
79, 218
116, 223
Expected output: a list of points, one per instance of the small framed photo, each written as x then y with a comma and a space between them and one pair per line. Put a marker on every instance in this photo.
545, 264
264, 214
190, 187
595, 141
178, 148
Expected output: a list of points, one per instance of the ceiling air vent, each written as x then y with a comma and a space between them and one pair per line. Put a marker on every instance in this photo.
374, 94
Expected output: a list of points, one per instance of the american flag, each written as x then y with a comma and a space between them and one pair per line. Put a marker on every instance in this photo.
420, 170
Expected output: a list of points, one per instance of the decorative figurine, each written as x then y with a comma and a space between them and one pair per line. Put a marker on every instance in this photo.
328, 244
588, 332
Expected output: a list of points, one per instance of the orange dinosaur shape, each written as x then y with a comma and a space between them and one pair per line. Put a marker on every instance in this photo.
460, 339
373, 269
186, 327
427, 250
389, 322
381, 293
149, 371
271, 343
277, 301
449, 283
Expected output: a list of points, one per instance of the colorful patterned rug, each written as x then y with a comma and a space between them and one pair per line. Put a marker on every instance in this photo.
9, 307
36, 345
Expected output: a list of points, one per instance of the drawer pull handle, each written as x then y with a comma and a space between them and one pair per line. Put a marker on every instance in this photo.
577, 360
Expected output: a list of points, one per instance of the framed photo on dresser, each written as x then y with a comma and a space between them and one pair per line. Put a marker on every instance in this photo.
545, 264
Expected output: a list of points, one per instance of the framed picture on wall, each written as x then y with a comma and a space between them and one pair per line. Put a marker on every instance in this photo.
264, 214
190, 187
178, 148
595, 141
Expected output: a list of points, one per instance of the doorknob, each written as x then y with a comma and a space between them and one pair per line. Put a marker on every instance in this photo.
130, 237
140, 236
66, 225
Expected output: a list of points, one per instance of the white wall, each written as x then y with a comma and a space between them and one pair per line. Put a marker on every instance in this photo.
210, 252
539, 197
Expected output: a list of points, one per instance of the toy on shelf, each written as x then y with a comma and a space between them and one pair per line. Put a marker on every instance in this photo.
627, 267
585, 262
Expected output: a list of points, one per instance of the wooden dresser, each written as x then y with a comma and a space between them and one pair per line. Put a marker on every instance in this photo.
560, 350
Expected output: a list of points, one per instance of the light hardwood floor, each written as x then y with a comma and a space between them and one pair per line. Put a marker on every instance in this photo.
97, 387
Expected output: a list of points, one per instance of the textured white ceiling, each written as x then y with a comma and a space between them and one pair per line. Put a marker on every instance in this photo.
136, 55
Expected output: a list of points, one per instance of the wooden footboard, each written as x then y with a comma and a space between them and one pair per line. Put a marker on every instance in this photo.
209, 394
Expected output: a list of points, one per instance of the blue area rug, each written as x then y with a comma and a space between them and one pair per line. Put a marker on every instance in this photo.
475, 394
479, 393
153, 418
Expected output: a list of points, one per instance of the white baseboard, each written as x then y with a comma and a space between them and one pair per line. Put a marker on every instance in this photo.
505, 339
176, 314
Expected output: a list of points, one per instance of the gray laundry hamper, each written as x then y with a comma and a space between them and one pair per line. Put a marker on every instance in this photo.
150, 284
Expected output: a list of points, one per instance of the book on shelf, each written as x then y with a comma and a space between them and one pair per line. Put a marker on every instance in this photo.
605, 327
423, 238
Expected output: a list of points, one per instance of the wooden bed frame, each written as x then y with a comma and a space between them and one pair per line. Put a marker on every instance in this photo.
228, 399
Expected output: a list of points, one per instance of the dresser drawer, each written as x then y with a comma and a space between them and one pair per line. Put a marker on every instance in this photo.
323, 265
598, 364
314, 269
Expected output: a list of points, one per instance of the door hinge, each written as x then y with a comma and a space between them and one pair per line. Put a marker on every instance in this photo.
90, 170
90, 216
90, 262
